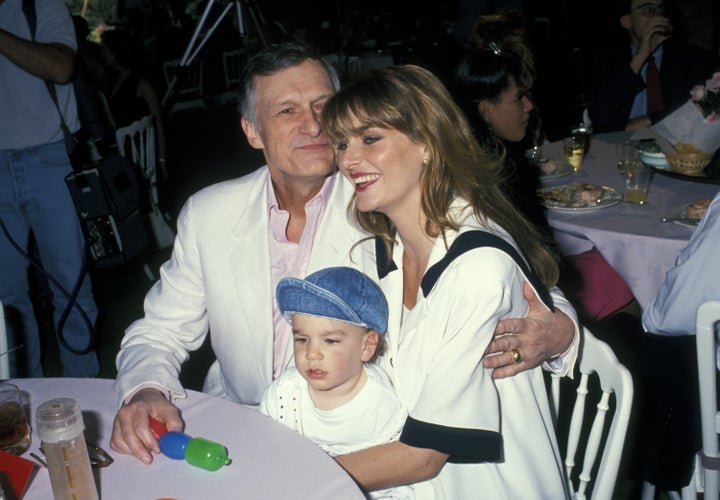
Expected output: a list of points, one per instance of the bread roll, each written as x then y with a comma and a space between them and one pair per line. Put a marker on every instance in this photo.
698, 208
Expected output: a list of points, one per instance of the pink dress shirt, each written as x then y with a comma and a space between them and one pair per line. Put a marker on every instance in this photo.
290, 259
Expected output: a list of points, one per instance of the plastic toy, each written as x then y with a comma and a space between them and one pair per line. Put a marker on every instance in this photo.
199, 452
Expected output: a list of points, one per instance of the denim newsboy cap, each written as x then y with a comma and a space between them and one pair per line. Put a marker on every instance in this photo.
341, 293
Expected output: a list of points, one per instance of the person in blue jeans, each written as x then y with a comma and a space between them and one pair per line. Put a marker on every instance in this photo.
33, 194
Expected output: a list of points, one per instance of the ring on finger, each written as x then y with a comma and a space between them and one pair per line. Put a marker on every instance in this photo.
516, 356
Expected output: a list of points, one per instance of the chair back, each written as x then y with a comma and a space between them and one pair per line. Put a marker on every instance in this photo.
708, 315
596, 357
4, 355
234, 62
137, 143
185, 85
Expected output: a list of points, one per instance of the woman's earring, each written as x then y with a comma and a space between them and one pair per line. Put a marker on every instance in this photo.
426, 161
488, 122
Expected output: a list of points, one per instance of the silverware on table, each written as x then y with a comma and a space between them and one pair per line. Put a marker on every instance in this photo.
683, 220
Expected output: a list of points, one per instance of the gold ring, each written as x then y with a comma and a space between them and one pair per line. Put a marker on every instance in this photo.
516, 356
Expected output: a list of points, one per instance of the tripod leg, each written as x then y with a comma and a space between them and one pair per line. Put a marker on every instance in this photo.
191, 51
259, 23
240, 20
188, 50
210, 32
196, 33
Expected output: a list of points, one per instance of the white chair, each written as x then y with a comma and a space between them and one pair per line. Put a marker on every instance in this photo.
185, 85
708, 315
234, 62
137, 143
4, 356
596, 357
707, 461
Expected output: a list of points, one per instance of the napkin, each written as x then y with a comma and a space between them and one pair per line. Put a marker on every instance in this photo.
687, 125
14, 474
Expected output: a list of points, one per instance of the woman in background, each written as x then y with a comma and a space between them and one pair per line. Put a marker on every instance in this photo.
492, 86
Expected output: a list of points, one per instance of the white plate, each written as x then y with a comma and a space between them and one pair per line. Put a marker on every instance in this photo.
679, 213
656, 160
558, 198
562, 168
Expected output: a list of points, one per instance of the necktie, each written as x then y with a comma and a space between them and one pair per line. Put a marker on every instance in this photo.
654, 92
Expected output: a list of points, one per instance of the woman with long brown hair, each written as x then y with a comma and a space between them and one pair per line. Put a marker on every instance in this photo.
453, 254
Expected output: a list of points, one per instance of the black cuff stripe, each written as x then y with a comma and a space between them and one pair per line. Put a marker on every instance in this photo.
463, 445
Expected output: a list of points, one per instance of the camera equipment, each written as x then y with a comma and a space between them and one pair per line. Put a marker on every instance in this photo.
108, 201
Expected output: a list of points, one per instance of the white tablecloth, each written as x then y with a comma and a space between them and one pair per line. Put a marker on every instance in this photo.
630, 236
269, 460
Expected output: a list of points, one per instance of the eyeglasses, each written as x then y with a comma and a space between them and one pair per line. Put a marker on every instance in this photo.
98, 457
650, 9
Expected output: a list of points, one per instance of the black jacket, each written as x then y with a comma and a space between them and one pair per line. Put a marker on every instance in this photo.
616, 86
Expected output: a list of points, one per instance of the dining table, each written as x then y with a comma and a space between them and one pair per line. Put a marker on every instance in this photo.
268, 459
632, 237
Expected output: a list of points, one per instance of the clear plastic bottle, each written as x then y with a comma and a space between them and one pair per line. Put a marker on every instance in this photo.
61, 428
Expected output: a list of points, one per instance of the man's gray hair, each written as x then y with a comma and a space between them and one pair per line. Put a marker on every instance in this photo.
269, 61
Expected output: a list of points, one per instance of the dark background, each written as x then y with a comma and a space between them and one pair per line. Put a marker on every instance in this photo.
206, 144
563, 35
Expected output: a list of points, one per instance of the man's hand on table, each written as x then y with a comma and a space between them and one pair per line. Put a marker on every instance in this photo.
131, 428
523, 343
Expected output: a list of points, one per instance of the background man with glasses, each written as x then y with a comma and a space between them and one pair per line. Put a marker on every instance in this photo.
636, 84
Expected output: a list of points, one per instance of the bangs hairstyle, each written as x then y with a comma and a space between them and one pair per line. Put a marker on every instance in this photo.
414, 102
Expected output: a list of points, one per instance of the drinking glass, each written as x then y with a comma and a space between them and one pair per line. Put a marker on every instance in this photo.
14, 430
627, 156
637, 181
574, 150
585, 134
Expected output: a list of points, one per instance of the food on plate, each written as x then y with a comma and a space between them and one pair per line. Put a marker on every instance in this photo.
575, 195
586, 194
648, 146
549, 166
697, 208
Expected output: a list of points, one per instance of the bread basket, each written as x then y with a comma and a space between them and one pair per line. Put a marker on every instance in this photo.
688, 163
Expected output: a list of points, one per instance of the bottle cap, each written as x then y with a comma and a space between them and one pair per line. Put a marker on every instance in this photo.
59, 420
206, 454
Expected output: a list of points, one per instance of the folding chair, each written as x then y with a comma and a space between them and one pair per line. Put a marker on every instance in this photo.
707, 461
596, 357
708, 315
185, 84
234, 62
137, 142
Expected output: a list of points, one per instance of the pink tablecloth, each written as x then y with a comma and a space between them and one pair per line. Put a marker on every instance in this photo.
269, 461
631, 237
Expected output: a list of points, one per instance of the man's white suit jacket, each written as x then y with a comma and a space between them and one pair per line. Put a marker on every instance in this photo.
218, 280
